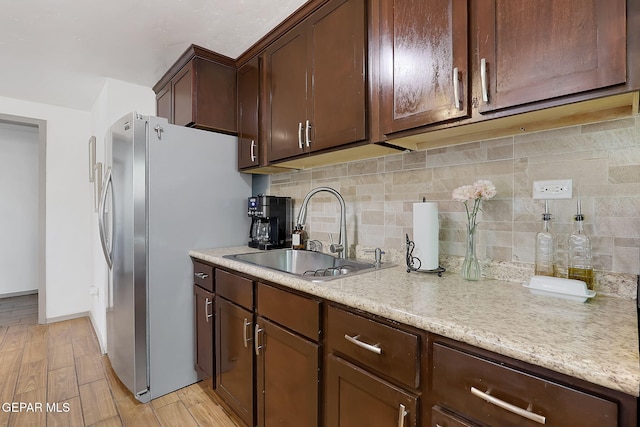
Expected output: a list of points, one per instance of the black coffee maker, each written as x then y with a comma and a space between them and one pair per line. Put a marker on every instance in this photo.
271, 222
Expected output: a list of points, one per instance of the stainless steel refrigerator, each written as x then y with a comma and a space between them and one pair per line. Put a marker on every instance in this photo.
167, 189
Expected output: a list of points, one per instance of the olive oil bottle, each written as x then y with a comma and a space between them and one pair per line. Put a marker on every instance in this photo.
580, 258
545, 246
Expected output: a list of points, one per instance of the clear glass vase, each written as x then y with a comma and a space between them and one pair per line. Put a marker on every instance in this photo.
471, 266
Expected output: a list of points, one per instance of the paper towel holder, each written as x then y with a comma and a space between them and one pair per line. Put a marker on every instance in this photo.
413, 263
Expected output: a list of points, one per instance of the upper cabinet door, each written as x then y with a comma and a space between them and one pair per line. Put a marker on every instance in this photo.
183, 86
164, 107
248, 108
424, 66
337, 102
316, 82
286, 77
535, 50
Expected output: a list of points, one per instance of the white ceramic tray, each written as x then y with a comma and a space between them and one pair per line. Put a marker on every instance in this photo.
569, 289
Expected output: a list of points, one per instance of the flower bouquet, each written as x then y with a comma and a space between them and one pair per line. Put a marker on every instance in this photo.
478, 191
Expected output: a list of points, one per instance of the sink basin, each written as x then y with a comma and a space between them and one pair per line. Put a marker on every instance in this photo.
314, 266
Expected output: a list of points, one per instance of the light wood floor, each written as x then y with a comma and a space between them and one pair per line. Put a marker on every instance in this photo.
60, 364
22, 309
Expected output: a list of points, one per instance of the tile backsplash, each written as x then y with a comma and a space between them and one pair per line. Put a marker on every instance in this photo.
602, 159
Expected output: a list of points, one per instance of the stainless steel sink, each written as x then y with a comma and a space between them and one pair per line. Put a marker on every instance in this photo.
314, 266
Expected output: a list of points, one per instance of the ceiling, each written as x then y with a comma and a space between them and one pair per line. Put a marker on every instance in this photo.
60, 52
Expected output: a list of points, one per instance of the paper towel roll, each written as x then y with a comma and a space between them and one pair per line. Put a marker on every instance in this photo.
425, 234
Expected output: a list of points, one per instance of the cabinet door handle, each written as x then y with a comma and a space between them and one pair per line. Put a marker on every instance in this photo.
483, 80
375, 348
201, 275
207, 303
256, 339
526, 413
300, 135
307, 132
402, 414
456, 88
245, 332
253, 154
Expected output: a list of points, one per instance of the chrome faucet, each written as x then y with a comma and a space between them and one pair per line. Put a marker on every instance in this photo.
341, 247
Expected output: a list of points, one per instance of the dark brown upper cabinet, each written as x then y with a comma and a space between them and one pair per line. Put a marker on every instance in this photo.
424, 70
450, 68
249, 147
199, 91
533, 51
315, 82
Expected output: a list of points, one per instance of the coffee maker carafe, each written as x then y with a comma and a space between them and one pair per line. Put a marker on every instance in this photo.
271, 222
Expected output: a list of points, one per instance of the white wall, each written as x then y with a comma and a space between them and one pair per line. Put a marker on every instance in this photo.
116, 99
73, 255
69, 205
19, 145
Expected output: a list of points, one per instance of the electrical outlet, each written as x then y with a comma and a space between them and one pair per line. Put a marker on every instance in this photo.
552, 189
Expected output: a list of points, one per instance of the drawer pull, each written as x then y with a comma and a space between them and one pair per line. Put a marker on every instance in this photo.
245, 335
201, 275
526, 413
256, 339
207, 303
402, 414
375, 348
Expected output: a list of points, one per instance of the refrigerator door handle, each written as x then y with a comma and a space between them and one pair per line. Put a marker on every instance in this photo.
101, 215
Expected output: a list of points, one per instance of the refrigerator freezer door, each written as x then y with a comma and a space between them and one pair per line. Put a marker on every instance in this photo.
127, 314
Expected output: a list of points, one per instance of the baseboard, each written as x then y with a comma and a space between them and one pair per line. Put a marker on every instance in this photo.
67, 317
103, 347
19, 294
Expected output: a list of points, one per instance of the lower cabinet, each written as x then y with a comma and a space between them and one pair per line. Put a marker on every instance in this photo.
203, 290
204, 331
267, 369
356, 398
372, 372
287, 377
234, 361
284, 358
287, 335
440, 417
483, 392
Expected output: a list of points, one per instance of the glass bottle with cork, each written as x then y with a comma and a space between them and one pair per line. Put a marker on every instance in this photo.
545, 246
580, 256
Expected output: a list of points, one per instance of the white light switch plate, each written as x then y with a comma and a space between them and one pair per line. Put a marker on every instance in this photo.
552, 189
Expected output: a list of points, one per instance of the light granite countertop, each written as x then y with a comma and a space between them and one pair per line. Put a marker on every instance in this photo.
596, 341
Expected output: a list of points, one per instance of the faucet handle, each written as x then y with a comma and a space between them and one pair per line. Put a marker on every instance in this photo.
334, 248
378, 254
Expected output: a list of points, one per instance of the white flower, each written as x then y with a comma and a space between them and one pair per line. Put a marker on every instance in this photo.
464, 193
480, 190
484, 189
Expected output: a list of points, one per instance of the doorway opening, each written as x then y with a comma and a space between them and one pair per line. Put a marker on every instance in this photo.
23, 208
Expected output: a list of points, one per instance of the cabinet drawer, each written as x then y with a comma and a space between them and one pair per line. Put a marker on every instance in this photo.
442, 418
385, 349
494, 394
235, 288
296, 312
203, 275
